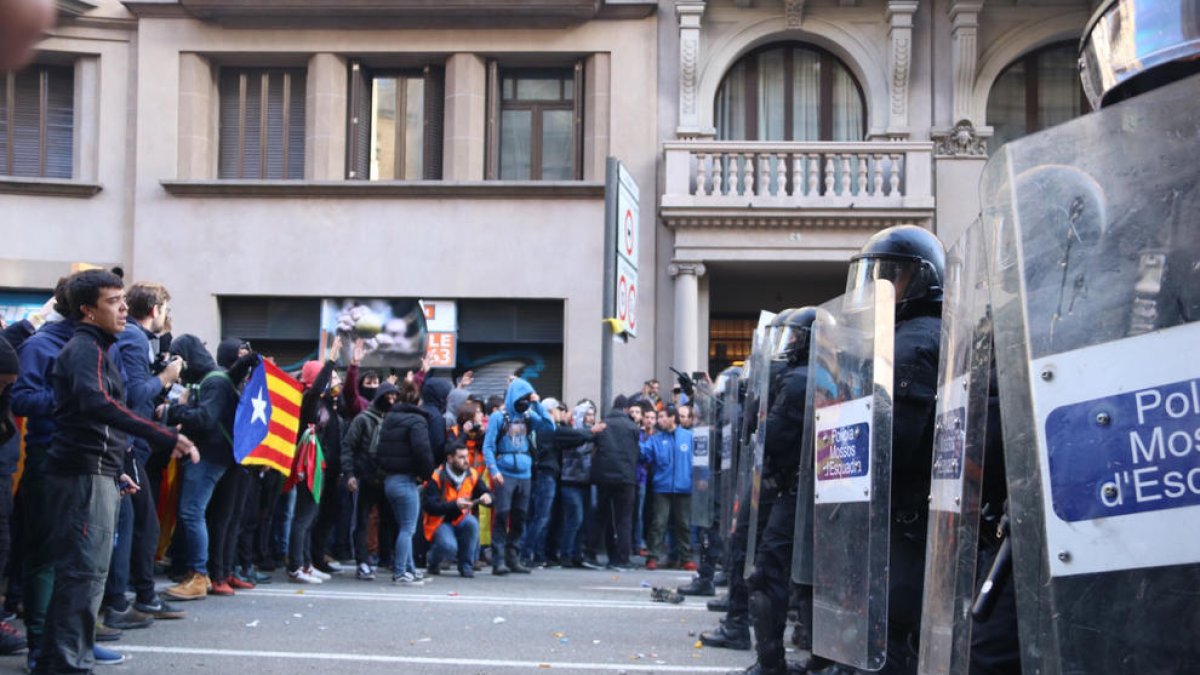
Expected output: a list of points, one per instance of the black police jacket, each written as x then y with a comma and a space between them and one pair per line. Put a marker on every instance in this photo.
918, 341
93, 424
785, 424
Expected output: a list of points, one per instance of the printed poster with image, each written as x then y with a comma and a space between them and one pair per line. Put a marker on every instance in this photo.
393, 330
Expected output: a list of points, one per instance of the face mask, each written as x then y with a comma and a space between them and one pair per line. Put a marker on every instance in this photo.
522, 406
369, 392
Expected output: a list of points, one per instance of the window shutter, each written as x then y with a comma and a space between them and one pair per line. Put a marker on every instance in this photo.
358, 164
262, 124
6, 114
37, 115
60, 122
229, 134
296, 124
493, 116
435, 100
577, 100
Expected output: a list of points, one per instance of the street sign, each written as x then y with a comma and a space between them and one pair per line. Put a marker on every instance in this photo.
627, 217
627, 293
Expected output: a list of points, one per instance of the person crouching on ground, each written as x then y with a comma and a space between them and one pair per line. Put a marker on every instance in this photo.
453, 490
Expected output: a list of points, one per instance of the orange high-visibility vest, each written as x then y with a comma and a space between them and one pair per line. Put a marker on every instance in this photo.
449, 494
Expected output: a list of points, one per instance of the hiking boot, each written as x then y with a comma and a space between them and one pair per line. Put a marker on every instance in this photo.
159, 609
106, 634
698, 586
728, 636
193, 587
129, 619
720, 604
221, 587
12, 641
106, 657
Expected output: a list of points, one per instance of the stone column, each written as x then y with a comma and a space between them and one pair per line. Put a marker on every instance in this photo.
197, 124
689, 13
687, 312
464, 141
325, 118
964, 21
900, 22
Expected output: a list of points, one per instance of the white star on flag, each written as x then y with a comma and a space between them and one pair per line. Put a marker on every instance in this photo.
260, 408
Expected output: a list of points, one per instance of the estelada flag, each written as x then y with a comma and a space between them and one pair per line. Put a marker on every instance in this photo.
267, 419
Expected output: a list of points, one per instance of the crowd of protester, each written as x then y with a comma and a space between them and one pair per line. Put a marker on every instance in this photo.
127, 470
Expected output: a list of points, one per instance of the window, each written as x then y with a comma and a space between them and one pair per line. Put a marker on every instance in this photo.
537, 133
262, 123
395, 124
37, 119
790, 92
1037, 91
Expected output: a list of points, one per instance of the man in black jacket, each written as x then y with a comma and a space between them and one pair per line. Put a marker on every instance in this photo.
614, 473
364, 478
85, 464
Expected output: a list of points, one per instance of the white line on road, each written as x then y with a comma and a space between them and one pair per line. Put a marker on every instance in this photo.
477, 600
425, 660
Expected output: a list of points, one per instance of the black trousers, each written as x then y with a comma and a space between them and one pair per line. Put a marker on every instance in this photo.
370, 496
224, 517
773, 573
300, 539
83, 511
612, 524
248, 529
739, 593
995, 649
136, 547
329, 514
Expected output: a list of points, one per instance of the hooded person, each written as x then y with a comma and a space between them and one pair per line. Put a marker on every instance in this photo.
363, 476
327, 422
508, 448
206, 416
614, 473
435, 393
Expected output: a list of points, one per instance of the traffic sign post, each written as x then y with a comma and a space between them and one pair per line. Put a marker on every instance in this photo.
620, 283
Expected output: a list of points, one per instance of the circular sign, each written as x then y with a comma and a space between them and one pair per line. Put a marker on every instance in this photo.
622, 285
631, 308
629, 232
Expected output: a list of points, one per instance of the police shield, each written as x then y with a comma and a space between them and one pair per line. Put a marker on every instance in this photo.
1095, 291
704, 431
729, 384
802, 550
851, 365
959, 436
758, 401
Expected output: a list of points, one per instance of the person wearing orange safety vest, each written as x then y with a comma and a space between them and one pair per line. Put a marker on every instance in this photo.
448, 497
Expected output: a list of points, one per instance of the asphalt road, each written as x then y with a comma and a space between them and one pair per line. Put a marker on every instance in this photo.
569, 621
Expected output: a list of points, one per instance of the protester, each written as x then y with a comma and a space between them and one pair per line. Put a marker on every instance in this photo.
576, 488
406, 457
11, 640
614, 473
363, 476
644, 509
447, 499
669, 453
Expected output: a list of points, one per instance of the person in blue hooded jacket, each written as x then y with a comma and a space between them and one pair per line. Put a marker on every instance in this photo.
508, 451
669, 453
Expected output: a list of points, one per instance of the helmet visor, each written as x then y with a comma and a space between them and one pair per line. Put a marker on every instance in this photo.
864, 272
788, 340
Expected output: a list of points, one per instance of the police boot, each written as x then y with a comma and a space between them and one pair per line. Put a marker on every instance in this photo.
698, 587
514, 562
768, 633
720, 604
732, 634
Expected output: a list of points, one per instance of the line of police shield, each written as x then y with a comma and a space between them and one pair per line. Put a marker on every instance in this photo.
704, 431
959, 436
802, 549
731, 415
1095, 294
758, 402
852, 363
745, 450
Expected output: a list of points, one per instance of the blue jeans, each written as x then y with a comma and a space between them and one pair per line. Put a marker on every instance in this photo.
199, 480
639, 524
455, 541
573, 498
404, 495
533, 544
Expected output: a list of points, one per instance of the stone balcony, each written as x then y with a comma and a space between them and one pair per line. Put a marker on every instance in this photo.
871, 184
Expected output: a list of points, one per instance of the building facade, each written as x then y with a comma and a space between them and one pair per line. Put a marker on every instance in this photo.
257, 158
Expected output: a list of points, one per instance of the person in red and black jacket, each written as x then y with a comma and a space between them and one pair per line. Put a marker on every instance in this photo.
85, 466
447, 499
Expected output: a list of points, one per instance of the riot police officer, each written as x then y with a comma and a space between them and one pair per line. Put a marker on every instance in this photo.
770, 582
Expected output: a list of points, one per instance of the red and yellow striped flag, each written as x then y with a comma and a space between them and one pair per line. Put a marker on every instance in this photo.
268, 419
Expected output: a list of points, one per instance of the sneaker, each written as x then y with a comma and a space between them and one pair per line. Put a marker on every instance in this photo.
8, 616
314, 572
539, 564
325, 568
418, 574
193, 587
407, 579
12, 641
159, 609
689, 566
302, 577
365, 573
553, 563
259, 578
238, 583
466, 572
106, 633
617, 567
31, 660
433, 570
221, 587
590, 564
107, 657
651, 564
131, 618
333, 564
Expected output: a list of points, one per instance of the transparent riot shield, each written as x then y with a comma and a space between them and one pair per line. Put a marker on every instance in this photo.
758, 402
959, 435
755, 378
802, 549
704, 409
1095, 295
852, 422
731, 415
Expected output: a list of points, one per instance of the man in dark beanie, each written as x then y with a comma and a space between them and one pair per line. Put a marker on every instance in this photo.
614, 473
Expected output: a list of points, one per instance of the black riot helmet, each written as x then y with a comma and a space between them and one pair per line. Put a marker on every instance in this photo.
792, 329
910, 257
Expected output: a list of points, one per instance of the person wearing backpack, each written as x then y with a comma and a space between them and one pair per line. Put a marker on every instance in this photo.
508, 450
206, 415
406, 456
364, 478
